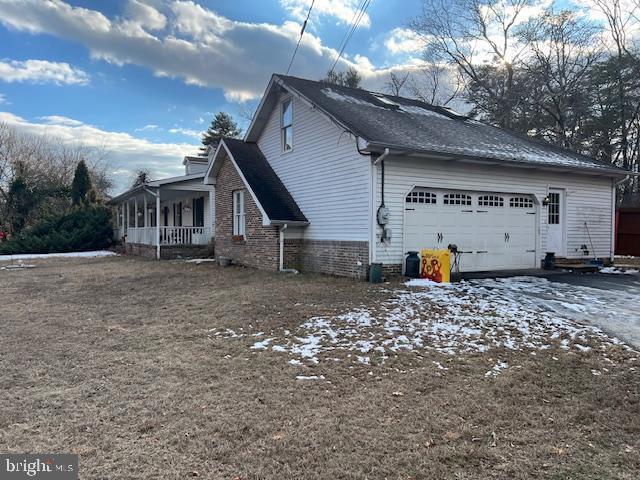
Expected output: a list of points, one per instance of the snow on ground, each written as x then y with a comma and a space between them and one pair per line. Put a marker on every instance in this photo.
34, 256
619, 271
522, 314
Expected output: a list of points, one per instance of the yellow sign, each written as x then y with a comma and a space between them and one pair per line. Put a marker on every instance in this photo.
435, 265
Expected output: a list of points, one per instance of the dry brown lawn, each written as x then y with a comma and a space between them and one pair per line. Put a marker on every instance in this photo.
111, 359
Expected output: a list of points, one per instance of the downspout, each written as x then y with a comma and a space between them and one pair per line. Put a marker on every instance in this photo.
281, 266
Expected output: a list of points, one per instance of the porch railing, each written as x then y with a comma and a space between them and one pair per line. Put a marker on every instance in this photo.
170, 235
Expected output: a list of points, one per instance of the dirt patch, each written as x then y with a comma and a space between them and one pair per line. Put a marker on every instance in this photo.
108, 358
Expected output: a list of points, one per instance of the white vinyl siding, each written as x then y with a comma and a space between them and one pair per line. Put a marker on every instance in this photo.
238, 213
587, 199
324, 173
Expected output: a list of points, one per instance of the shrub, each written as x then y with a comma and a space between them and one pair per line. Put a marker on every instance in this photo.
81, 229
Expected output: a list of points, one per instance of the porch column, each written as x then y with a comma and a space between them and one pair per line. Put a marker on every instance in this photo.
212, 212
146, 212
158, 224
135, 212
128, 216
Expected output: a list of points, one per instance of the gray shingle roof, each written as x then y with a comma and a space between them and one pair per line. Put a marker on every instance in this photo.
273, 196
413, 125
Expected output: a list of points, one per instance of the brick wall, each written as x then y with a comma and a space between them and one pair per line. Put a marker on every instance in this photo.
167, 252
340, 258
260, 247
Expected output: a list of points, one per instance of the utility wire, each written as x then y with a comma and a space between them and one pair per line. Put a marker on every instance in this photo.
358, 15
304, 26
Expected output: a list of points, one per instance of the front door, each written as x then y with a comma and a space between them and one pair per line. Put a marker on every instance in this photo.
555, 223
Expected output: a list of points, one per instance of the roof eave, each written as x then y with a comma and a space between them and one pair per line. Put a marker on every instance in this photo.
378, 147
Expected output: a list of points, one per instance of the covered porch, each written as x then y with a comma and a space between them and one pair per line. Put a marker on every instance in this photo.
171, 212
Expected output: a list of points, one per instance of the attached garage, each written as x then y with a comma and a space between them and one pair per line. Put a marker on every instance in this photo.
490, 230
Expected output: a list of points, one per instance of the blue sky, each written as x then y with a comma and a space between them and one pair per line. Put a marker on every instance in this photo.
141, 79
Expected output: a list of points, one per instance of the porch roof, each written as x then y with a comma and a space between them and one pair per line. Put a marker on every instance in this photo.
158, 184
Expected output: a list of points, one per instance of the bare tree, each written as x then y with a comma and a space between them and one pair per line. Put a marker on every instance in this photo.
437, 84
564, 49
474, 35
396, 82
36, 173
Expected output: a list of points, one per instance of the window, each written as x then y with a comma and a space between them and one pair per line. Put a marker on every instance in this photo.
238, 213
490, 201
418, 196
198, 212
554, 209
287, 122
457, 199
520, 202
177, 214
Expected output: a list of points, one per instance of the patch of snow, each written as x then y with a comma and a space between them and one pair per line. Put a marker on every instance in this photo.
263, 344
618, 271
310, 377
497, 368
414, 109
198, 261
293, 361
34, 256
333, 95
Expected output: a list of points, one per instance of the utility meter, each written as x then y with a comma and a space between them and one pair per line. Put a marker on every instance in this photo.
383, 215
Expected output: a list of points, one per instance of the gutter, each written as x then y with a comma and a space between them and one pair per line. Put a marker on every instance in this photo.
604, 170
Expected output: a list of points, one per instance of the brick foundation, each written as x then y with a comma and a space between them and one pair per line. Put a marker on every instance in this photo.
260, 246
340, 258
168, 252
391, 271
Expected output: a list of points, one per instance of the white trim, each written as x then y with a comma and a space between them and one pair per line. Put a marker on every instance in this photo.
285, 99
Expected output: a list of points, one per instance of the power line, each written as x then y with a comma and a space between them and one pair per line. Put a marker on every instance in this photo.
358, 15
304, 26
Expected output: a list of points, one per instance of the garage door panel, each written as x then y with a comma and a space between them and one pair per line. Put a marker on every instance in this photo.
493, 231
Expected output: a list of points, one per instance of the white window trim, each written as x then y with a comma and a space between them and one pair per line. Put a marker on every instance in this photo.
239, 215
282, 126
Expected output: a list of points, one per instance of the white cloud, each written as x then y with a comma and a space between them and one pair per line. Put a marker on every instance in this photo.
60, 120
42, 71
403, 40
342, 10
3, 98
126, 154
200, 46
151, 126
187, 132
145, 15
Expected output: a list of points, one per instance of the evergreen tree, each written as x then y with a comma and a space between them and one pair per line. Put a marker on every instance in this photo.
81, 184
222, 126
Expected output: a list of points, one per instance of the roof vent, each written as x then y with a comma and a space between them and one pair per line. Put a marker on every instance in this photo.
386, 101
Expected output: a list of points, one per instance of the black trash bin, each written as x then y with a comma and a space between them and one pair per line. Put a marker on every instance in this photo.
412, 265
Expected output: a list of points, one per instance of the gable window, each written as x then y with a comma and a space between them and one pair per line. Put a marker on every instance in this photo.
238, 213
457, 199
287, 125
490, 201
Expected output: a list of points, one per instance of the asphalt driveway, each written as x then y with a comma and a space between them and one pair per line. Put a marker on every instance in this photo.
608, 301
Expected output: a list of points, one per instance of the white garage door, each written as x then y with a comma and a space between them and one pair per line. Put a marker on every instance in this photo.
491, 230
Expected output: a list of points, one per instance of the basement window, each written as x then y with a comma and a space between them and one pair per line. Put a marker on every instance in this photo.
238, 214
287, 125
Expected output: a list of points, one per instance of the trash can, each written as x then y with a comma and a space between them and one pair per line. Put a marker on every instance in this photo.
375, 273
550, 261
412, 265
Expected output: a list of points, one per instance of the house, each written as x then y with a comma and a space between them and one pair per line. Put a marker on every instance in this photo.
332, 179
167, 218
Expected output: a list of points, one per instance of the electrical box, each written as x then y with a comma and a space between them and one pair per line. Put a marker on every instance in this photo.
383, 215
